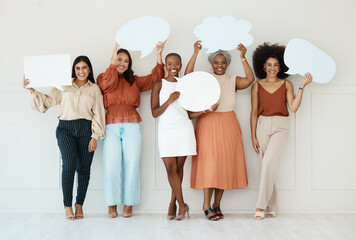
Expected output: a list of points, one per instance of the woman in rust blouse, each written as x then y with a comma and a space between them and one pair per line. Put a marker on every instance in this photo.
270, 96
122, 143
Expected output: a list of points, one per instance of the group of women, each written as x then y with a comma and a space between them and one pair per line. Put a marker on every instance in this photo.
218, 161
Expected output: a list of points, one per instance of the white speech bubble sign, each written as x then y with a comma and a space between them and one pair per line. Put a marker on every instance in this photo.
48, 70
223, 33
302, 57
142, 34
198, 91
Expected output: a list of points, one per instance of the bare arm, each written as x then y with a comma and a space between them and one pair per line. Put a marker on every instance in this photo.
253, 118
156, 109
160, 47
191, 63
244, 82
294, 102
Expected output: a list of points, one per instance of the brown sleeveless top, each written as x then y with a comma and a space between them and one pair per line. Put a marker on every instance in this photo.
272, 104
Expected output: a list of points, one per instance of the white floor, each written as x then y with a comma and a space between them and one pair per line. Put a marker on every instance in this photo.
238, 226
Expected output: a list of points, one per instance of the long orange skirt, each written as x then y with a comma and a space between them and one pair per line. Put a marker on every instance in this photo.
220, 162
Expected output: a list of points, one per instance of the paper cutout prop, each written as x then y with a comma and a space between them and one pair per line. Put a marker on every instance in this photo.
223, 33
198, 91
142, 34
48, 70
303, 57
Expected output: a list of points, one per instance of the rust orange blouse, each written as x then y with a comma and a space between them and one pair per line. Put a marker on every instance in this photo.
121, 99
272, 104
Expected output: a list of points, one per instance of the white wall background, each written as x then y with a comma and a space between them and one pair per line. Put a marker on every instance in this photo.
317, 170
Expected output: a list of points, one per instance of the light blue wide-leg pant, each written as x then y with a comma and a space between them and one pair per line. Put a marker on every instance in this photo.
121, 161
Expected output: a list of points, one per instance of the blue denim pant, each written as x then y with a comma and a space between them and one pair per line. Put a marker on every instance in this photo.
121, 161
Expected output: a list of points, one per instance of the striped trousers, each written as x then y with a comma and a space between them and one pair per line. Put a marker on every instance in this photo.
73, 137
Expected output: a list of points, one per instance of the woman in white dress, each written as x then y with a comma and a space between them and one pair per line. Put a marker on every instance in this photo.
176, 139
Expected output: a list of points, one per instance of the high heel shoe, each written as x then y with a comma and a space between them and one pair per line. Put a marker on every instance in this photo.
182, 216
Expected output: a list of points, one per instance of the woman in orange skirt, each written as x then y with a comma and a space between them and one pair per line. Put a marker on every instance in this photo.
220, 162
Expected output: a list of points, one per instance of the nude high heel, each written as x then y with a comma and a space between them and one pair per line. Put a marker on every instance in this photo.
182, 216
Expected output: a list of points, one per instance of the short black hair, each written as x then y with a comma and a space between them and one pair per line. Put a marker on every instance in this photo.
87, 61
173, 54
265, 51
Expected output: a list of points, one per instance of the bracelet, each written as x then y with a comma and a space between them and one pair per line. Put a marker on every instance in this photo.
300, 88
243, 59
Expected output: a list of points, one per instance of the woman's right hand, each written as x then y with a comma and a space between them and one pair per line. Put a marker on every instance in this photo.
25, 83
256, 145
212, 108
114, 59
173, 97
197, 47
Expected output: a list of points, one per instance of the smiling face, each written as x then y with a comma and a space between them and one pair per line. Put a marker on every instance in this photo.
272, 67
124, 61
173, 65
219, 64
82, 71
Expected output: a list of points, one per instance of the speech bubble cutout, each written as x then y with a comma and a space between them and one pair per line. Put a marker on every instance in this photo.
198, 91
142, 34
48, 70
223, 33
303, 57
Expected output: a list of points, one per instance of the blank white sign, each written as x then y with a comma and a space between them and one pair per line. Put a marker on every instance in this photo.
48, 70
198, 91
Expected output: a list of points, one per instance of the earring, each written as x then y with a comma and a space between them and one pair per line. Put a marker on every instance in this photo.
264, 69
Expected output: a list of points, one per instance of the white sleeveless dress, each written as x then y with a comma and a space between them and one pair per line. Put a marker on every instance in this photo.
175, 130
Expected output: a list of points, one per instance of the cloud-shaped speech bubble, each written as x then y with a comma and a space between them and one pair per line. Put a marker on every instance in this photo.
223, 33
303, 57
142, 34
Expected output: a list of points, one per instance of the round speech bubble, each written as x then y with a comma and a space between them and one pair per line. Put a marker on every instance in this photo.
223, 33
198, 91
142, 34
302, 57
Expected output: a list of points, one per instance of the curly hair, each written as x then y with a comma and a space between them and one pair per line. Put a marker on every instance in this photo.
265, 51
128, 74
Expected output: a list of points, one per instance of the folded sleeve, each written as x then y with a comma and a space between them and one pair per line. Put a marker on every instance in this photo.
108, 80
42, 102
146, 83
98, 120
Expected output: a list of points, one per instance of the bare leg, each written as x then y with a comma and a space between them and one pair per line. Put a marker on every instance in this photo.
217, 200
174, 180
208, 192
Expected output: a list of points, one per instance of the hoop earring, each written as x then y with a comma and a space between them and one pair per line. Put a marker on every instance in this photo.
264, 69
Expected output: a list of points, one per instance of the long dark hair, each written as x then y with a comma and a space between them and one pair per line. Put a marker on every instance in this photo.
128, 74
87, 61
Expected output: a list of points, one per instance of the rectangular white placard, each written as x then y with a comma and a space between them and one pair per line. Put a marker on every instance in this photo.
48, 70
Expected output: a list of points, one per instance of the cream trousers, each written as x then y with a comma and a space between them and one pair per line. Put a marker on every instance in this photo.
272, 134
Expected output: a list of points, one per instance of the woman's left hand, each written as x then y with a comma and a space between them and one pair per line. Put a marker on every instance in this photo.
92, 145
308, 79
242, 50
160, 46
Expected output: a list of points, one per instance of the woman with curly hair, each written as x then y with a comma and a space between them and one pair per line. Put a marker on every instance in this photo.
220, 162
270, 96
